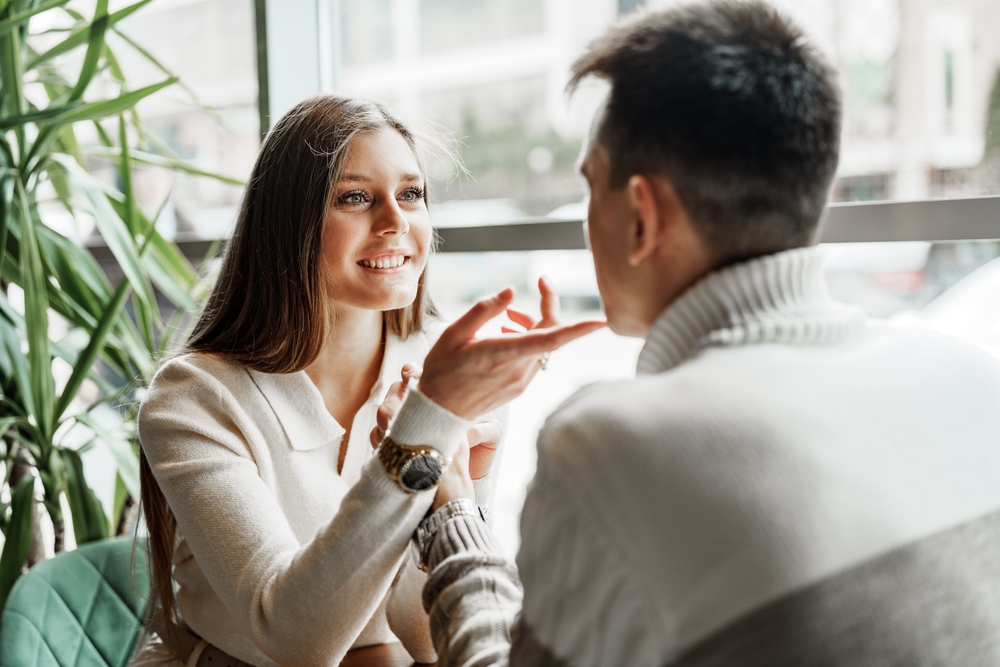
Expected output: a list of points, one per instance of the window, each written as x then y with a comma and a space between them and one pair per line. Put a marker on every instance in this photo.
916, 200
210, 45
447, 24
366, 31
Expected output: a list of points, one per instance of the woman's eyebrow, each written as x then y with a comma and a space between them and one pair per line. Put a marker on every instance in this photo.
361, 178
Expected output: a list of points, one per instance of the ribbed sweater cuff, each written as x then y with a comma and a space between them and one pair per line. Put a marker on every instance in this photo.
462, 534
421, 421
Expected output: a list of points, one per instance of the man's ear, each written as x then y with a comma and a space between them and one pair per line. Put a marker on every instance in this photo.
647, 225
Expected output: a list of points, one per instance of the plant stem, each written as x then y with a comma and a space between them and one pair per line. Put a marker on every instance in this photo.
19, 471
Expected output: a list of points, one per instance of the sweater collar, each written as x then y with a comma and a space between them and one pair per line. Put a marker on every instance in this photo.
780, 298
299, 406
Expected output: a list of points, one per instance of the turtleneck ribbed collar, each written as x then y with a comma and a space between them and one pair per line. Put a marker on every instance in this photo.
780, 298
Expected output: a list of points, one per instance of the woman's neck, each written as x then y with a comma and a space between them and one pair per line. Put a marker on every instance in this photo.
349, 364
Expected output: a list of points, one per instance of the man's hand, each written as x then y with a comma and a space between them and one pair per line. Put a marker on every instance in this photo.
481, 441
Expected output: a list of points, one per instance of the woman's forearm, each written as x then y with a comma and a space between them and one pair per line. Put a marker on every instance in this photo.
299, 604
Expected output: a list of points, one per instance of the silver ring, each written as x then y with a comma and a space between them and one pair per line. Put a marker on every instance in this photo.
545, 360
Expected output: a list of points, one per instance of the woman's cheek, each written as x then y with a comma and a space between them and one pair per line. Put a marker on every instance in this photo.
423, 240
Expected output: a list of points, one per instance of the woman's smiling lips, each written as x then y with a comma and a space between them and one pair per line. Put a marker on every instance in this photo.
390, 262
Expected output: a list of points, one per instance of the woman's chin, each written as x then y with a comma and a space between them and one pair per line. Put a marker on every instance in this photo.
382, 300
393, 301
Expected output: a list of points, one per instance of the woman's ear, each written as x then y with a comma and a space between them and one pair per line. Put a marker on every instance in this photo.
647, 223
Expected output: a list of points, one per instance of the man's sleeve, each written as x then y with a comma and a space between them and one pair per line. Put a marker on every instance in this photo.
473, 596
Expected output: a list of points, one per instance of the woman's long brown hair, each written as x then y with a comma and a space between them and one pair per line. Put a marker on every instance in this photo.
268, 309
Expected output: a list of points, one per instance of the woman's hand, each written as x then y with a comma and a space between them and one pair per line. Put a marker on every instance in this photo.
456, 482
551, 311
481, 441
393, 401
470, 376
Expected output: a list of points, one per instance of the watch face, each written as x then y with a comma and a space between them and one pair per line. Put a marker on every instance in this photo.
420, 473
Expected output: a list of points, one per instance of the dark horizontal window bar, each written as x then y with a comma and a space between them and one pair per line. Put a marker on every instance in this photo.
964, 219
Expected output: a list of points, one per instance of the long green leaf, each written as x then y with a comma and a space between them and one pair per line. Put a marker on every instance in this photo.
169, 283
89, 355
125, 176
6, 423
212, 111
36, 116
7, 208
111, 226
162, 161
79, 37
88, 111
12, 99
168, 268
80, 277
36, 318
120, 449
95, 44
90, 523
21, 18
18, 362
121, 495
19, 534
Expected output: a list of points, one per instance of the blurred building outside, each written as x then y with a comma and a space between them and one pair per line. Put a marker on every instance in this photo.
922, 119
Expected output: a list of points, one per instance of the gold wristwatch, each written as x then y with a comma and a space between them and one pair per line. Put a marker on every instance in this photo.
413, 467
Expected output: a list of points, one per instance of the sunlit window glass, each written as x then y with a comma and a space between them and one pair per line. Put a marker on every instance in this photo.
446, 24
366, 31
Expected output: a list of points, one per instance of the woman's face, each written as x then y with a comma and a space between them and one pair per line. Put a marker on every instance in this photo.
377, 232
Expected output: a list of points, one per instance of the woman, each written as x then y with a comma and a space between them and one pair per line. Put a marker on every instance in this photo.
285, 539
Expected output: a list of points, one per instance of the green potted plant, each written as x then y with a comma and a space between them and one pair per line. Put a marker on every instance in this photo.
114, 330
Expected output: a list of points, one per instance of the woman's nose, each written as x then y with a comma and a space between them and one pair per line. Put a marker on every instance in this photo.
391, 220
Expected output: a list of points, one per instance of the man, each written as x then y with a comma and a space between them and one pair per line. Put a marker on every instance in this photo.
784, 483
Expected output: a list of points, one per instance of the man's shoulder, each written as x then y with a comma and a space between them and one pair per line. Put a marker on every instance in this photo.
650, 410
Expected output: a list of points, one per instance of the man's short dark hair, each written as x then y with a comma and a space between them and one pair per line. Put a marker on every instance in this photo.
728, 101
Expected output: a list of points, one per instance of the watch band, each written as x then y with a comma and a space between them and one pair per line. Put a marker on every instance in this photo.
423, 538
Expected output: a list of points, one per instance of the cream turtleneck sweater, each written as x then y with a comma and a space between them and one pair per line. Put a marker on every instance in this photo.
783, 483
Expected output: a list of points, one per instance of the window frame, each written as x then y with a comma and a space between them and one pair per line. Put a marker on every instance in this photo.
293, 63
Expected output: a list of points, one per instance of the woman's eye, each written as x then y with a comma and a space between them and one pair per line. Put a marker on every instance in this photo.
413, 194
353, 198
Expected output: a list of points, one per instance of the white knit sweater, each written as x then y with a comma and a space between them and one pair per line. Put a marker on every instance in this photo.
281, 559
772, 440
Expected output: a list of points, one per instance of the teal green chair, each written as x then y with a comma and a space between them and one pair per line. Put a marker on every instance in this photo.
81, 609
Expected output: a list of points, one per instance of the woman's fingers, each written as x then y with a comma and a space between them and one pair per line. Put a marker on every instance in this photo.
486, 433
411, 372
551, 310
480, 375
520, 317
393, 400
472, 321
540, 341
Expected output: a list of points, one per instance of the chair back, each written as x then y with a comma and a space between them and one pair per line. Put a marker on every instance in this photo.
83, 608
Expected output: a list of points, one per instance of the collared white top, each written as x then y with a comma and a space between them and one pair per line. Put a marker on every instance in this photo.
280, 558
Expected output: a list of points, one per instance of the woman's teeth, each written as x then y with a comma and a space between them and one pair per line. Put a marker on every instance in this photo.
384, 263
